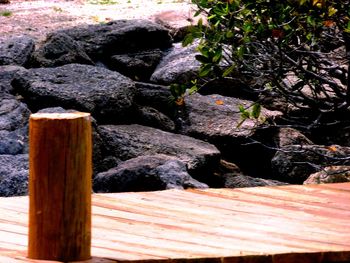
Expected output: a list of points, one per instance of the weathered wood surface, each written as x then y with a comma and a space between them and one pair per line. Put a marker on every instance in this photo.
286, 224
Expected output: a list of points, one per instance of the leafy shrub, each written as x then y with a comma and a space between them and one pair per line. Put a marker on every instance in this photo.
295, 47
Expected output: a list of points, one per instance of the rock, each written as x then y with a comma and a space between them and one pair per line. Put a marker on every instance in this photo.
14, 170
151, 117
107, 95
16, 50
138, 66
290, 136
14, 142
331, 174
146, 173
130, 141
14, 117
59, 49
155, 96
215, 117
4, 1
7, 73
238, 181
13, 114
295, 163
178, 66
101, 41
178, 22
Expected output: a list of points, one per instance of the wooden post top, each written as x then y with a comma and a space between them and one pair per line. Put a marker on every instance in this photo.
57, 116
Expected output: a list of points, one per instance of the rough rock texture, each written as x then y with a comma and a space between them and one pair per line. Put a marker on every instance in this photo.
214, 116
104, 93
138, 66
59, 49
290, 136
295, 163
178, 66
146, 173
7, 74
130, 141
331, 174
155, 96
16, 50
149, 116
14, 170
119, 37
238, 181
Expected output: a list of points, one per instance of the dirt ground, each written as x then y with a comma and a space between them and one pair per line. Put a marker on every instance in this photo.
38, 17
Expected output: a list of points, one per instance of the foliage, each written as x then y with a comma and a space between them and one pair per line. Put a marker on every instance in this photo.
6, 13
295, 47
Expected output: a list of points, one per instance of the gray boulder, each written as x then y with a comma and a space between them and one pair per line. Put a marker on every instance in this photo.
240, 181
14, 117
138, 66
59, 49
16, 50
130, 141
107, 95
331, 174
13, 114
290, 136
146, 173
155, 96
149, 116
119, 37
295, 163
7, 73
14, 171
215, 117
178, 66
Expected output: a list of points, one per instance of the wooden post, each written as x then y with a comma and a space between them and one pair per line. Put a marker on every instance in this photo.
60, 186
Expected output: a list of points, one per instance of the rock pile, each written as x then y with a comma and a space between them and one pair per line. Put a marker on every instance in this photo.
119, 72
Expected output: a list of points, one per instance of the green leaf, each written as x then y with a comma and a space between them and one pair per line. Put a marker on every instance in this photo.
187, 40
204, 70
202, 59
256, 110
228, 71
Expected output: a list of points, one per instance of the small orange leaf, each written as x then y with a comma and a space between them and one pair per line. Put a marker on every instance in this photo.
332, 148
219, 102
328, 23
180, 101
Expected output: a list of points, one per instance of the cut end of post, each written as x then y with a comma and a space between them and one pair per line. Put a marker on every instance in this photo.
58, 116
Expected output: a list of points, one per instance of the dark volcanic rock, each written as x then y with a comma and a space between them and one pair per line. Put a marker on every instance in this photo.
119, 37
7, 73
138, 66
14, 175
239, 181
178, 66
13, 114
215, 117
290, 136
146, 173
59, 49
295, 163
331, 174
14, 117
104, 93
130, 141
151, 117
155, 96
16, 50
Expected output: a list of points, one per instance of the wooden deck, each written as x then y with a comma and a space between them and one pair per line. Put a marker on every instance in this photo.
289, 224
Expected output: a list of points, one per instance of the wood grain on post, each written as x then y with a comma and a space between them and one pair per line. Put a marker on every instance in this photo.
60, 186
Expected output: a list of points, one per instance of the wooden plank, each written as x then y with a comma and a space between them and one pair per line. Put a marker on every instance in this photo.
266, 224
